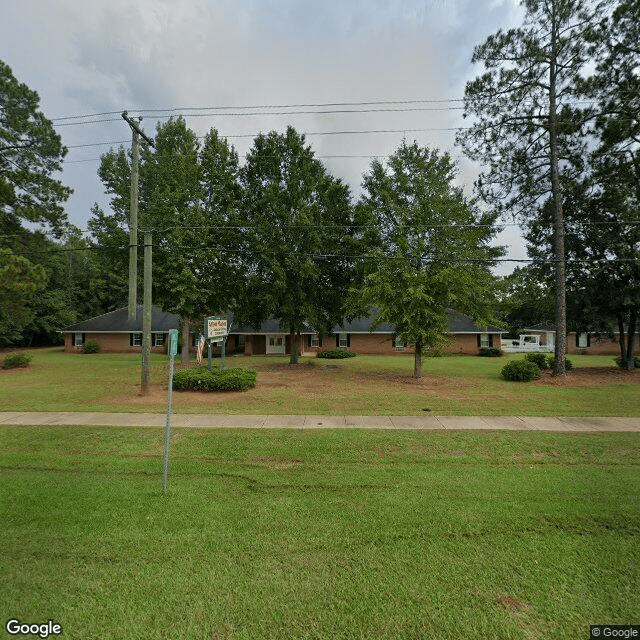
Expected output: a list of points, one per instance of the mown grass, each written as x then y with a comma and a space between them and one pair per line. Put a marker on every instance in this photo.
365, 385
320, 534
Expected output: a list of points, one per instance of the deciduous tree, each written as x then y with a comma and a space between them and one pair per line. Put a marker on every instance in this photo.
433, 250
300, 234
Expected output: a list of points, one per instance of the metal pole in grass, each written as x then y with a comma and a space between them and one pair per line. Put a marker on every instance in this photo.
173, 350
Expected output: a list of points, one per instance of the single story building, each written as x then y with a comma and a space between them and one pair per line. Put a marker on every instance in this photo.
115, 334
583, 342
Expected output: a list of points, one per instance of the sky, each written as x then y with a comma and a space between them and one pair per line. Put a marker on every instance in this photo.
212, 60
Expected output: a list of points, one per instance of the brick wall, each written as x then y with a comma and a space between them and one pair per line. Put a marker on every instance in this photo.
382, 344
599, 345
109, 343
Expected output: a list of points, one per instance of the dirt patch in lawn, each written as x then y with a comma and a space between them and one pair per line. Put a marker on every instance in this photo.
590, 377
308, 382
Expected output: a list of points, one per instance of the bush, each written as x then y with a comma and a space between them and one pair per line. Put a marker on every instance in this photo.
201, 379
636, 361
551, 361
520, 371
16, 360
490, 352
539, 359
91, 347
335, 354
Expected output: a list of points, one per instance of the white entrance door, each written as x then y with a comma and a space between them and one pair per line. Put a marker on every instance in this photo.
275, 344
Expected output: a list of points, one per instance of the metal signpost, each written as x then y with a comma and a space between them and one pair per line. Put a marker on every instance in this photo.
173, 350
216, 330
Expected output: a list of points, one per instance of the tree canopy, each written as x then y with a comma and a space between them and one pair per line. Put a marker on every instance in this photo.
188, 197
527, 128
300, 232
30, 153
432, 252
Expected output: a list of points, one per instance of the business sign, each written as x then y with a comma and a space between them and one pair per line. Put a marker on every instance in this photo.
216, 327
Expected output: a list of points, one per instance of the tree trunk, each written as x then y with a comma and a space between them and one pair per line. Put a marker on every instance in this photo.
186, 343
631, 332
417, 361
560, 277
293, 341
621, 340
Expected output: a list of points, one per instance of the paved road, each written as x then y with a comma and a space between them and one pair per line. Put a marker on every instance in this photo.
514, 423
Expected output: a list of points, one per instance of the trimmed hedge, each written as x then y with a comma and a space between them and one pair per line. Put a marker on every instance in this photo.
335, 354
520, 371
551, 360
539, 359
490, 352
91, 347
16, 360
201, 379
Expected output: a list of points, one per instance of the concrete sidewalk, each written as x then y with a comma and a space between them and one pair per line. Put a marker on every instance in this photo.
205, 421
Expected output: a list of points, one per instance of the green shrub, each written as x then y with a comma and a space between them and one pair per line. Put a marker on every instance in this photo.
335, 354
490, 352
201, 379
91, 347
16, 360
551, 361
520, 371
636, 361
539, 359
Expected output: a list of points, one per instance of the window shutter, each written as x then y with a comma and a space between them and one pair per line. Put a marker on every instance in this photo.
491, 339
309, 340
83, 337
337, 340
348, 340
319, 341
588, 339
236, 340
393, 340
131, 339
577, 339
479, 340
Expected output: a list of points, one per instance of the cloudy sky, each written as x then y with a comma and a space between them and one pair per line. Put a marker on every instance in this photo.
195, 56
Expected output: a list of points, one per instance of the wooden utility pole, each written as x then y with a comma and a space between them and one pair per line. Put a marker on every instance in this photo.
136, 132
146, 316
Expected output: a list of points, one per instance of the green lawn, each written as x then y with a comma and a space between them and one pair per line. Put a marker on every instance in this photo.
365, 385
319, 534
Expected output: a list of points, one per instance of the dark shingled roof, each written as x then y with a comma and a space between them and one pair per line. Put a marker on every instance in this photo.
271, 325
540, 327
117, 321
458, 323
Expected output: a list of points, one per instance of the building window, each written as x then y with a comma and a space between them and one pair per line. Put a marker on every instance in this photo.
135, 339
78, 339
399, 345
343, 341
241, 341
583, 341
315, 340
484, 340
158, 339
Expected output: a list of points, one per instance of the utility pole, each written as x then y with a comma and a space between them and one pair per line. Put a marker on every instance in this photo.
146, 316
136, 132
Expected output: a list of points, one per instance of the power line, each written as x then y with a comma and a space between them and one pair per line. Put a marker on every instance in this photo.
320, 256
347, 227
234, 109
261, 106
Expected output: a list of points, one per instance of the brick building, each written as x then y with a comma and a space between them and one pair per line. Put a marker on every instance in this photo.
115, 334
